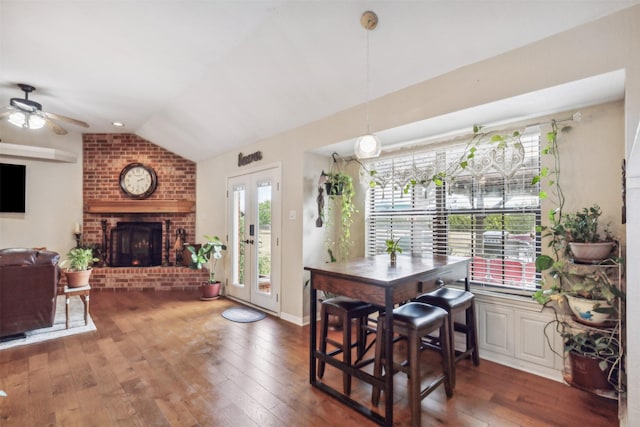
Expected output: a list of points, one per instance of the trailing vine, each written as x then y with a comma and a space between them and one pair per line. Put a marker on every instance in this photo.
555, 230
340, 193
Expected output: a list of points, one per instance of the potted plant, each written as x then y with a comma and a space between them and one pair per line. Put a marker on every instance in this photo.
340, 192
393, 248
211, 250
77, 266
336, 183
592, 344
590, 293
594, 358
582, 235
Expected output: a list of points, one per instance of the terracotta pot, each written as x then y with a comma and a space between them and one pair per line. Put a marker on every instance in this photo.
586, 372
591, 253
210, 291
77, 279
583, 309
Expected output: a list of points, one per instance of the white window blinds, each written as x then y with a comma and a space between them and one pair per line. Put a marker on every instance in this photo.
487, 211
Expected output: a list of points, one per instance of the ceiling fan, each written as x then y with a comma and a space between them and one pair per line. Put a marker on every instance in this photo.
28, 114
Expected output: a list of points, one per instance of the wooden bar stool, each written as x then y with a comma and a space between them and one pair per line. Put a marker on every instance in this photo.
455, 301
346, 309
414, 321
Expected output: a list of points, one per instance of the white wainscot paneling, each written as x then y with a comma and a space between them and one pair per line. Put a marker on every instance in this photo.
495, 328
511, 332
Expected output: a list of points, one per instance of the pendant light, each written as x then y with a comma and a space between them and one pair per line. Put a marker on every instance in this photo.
368, 145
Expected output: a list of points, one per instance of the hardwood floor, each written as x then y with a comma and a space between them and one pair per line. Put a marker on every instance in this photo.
168, 359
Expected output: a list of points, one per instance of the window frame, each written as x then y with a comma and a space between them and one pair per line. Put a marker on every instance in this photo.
406, 220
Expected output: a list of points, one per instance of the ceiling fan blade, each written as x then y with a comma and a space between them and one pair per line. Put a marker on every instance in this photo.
54, 127
67, 119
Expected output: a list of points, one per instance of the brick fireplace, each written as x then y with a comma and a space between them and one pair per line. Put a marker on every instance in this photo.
105, 205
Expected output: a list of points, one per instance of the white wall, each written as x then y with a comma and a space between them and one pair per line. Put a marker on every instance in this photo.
53, 192
591, 154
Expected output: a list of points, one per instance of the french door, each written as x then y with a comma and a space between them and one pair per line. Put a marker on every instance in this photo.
253, 203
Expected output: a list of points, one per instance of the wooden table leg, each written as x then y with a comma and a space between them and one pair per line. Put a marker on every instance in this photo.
86, 309
67, 309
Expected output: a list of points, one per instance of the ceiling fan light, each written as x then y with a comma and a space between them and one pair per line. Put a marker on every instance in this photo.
26, 121
367, 146
17, 119
35, 121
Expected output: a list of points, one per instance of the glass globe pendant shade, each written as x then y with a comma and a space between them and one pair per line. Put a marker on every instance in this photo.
27, 121
17, 119
35, 121
367, 146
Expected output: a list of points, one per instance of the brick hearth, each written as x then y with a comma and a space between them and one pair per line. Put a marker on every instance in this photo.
144, 279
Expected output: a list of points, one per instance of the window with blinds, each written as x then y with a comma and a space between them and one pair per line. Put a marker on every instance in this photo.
487, 211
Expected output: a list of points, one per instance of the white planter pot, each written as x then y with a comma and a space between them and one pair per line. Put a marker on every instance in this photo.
591, 252
583, 309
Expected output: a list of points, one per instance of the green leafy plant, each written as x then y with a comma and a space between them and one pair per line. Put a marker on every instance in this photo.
595, 344
447, 174
582, 226
393, 245
594, 284
210, 250
79, 259
340, 191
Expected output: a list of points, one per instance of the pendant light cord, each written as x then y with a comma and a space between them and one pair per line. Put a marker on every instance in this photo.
367, 89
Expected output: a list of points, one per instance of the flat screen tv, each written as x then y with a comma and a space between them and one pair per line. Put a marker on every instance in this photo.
12, 187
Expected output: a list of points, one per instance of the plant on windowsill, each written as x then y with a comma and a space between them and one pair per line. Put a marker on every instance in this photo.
210, 251
77, 266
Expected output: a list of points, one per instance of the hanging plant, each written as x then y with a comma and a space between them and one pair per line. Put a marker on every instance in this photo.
340, 193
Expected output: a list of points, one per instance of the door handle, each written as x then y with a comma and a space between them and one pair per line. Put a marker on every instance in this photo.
248, 241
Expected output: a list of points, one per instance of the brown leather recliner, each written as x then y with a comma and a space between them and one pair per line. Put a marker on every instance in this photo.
28, 288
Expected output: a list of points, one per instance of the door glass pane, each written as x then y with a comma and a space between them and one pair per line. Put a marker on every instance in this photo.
264, 236
237, 246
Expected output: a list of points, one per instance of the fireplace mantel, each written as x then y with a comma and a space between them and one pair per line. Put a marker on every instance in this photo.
138, 206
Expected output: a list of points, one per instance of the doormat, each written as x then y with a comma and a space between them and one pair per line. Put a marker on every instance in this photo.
59, 328
243, 314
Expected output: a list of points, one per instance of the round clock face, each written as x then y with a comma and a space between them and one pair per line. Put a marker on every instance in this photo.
138, 181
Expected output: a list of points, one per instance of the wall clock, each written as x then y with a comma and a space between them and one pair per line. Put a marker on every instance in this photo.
138, 181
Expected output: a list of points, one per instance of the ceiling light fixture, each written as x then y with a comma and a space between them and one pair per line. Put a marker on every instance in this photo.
368, 145
26, 120
118, 124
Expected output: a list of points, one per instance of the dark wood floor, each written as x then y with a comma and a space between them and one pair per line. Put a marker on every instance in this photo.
168, 359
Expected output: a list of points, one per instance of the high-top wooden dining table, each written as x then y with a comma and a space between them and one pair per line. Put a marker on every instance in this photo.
374, 280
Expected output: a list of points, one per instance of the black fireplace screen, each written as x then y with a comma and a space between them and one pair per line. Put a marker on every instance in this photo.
136, 244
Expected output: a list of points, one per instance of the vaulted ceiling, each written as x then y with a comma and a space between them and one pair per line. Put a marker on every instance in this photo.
204, 77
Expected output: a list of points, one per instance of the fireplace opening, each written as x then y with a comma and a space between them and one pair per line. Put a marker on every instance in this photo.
136, 244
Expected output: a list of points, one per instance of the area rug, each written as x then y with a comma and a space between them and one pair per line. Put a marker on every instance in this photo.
58, 329
243, 314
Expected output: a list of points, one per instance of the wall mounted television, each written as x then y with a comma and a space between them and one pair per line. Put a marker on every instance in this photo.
12, 188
